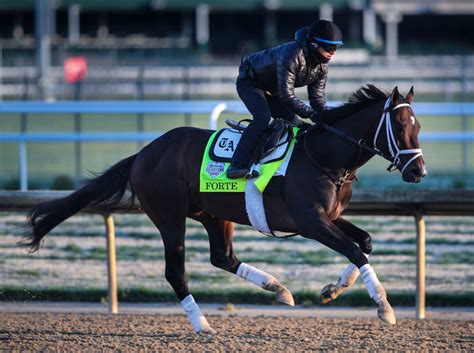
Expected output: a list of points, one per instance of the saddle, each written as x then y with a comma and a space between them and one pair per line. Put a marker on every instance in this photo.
279, 132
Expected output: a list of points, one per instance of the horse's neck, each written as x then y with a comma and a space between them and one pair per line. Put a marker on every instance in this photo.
361, 125
364, 126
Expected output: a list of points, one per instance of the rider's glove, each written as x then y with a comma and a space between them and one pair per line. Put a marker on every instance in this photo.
317, 119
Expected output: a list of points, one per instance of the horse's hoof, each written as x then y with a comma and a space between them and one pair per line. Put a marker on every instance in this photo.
386, 313
207, 331
284, 296
329, 293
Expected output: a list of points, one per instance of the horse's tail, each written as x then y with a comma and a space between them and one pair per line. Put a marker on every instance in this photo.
106, 190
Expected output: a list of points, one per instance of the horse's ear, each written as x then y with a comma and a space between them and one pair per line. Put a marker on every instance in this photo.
410, 95
394, 95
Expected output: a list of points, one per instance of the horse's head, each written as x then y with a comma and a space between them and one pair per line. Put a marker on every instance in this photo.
401, 131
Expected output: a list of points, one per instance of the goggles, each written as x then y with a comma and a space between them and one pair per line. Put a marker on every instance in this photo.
331, 49
327, 45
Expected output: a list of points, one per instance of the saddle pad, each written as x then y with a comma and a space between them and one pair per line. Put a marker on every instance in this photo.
224, 144
213, 177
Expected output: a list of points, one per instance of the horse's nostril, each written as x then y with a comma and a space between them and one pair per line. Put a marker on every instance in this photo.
416, 172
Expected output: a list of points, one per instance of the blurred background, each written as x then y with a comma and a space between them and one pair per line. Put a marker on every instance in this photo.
186, 50
84, 84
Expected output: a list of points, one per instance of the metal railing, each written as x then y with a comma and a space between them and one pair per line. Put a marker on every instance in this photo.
440, 76
214, 109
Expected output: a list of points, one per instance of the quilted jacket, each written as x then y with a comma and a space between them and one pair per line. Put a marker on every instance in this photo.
280, 69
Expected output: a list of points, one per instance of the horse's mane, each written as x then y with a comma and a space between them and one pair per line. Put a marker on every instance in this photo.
358, 100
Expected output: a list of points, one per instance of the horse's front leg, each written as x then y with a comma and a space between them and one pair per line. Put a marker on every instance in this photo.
313, 222
351, 273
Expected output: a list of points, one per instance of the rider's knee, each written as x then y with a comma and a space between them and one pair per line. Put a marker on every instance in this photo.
260, 122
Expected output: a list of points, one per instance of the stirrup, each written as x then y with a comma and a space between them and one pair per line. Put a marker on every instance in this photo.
237, 171
252, 173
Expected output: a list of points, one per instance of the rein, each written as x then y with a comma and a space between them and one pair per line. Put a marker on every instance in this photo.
394, 158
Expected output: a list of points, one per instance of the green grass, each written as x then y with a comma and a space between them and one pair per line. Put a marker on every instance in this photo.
429, 241
356, 298
219, 277
318, 257
26, 274
73, 248
145, 253
456, 258
123, 253
385, 252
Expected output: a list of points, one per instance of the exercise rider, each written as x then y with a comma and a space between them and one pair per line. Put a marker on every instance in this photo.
267, 80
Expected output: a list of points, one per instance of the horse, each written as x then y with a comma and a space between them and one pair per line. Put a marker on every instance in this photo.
317, 187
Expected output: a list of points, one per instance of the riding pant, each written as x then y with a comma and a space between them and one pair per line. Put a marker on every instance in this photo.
262, 106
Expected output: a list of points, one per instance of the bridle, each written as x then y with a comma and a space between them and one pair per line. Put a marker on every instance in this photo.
395, 152
348, 176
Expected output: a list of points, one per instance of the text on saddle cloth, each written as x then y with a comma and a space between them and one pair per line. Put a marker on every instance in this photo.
218, 154
225, 143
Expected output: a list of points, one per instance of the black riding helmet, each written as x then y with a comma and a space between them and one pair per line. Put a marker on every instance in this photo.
324, 34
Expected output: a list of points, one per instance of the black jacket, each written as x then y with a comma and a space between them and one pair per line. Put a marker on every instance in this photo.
280, 69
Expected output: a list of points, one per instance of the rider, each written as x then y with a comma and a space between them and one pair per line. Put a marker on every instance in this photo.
267, 81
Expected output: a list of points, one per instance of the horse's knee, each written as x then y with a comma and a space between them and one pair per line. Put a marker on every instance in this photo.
225, 262
366, 244
175, 277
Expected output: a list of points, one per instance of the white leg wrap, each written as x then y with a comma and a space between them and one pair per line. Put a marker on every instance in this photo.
254, 275
197, 319
374, 287
348, 276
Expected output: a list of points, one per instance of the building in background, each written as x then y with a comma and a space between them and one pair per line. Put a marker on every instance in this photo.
38, 35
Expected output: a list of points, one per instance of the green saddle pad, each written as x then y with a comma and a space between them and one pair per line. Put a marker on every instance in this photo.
213, 172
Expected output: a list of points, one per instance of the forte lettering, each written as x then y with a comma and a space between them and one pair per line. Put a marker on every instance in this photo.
221, 185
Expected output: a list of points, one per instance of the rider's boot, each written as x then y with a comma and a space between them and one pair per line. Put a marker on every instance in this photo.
239, 167
239, 170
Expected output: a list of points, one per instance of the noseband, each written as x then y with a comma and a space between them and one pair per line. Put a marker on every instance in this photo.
395, 152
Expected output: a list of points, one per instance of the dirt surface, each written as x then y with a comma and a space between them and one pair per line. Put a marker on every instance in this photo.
134, 332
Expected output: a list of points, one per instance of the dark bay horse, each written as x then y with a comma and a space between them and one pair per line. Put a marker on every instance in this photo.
164, 176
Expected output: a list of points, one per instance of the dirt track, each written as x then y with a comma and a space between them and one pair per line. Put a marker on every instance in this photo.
127, 332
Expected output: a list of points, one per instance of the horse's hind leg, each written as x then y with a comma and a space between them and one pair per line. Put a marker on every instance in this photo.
167, 207
221, 234
351, 273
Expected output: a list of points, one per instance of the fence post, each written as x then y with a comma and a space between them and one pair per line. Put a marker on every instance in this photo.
22, 144
140, 97
23, 165
111, 263
464, 121
420, 265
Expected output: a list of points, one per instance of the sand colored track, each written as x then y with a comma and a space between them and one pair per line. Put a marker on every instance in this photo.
55, 331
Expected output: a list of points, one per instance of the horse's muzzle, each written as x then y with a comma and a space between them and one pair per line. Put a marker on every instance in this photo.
415, 173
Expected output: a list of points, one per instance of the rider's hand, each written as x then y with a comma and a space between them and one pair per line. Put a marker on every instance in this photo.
317, 119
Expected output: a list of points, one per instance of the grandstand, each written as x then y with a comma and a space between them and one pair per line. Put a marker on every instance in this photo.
189, 48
